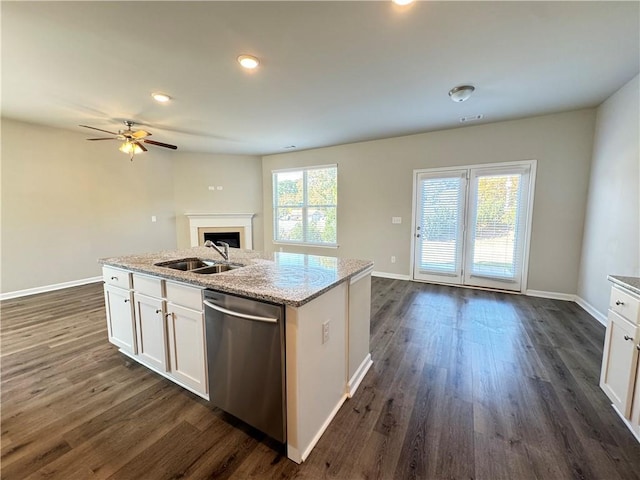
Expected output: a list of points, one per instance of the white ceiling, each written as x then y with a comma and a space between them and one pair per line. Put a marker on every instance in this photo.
331, 72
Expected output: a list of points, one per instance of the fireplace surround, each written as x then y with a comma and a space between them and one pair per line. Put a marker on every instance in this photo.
219, 225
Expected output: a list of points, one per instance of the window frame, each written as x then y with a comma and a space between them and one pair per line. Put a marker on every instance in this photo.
304, 206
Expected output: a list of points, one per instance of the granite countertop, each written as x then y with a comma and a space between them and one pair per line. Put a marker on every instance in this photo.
630, 283
284, 278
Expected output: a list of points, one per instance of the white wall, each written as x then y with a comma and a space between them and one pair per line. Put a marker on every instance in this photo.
67, 202
611, 244
240, 177
375, 183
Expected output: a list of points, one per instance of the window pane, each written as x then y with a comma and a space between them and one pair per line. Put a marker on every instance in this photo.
494, 242
289, 188
289, 224
440, 216
322, 186
321, 225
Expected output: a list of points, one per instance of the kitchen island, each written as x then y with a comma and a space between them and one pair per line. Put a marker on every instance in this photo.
155, 315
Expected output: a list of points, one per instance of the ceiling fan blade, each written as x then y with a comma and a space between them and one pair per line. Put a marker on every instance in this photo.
141, 146
140, 134
99, 129
103, 138
160, 144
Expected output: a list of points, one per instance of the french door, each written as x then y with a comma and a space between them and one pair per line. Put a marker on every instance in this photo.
472, 225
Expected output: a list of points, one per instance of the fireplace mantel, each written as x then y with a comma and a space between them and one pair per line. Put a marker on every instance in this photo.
231, 222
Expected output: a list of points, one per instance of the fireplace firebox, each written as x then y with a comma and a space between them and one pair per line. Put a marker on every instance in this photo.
232, 238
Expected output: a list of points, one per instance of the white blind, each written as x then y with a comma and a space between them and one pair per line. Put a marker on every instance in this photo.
496, 231
442, 208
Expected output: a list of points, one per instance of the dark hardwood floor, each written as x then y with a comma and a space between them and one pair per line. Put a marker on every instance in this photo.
466, 384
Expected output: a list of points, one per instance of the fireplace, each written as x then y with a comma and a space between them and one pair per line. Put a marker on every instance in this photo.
233, 228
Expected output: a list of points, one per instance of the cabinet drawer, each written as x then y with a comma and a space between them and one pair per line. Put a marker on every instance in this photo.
146, 285
116, 277
624, 304
181, 294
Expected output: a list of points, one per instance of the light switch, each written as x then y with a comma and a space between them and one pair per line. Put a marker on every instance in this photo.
211, 187
396, 219
153, 218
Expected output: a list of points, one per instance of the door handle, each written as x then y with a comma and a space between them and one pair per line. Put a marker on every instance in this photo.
245, 316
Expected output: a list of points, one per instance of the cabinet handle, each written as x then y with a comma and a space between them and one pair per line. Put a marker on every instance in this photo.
126, 300
638, 347
114, 278
627, 337
158, 311
168, 314
619, 302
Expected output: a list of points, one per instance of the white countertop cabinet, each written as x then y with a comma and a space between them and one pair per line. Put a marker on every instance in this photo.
159, 324
117, 299
620, 374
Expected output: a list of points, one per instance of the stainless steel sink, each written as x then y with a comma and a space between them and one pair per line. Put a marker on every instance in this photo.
199, 265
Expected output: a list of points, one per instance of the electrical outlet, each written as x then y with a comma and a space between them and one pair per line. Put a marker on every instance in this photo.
396, 220
393, 259
153, 218
325, 332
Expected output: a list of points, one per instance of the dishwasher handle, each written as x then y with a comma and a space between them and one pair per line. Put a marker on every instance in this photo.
245, 316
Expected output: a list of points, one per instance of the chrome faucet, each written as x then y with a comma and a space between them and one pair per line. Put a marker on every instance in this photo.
225, 248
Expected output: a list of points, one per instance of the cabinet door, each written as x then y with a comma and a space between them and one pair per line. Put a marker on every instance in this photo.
187, 354
620, 358
151, 331
635, 409
120, 323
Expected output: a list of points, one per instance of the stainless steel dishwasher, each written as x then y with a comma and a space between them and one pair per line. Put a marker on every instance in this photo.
245, 356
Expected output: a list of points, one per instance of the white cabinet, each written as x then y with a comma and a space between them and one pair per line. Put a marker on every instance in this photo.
159, 324
120, 318
151, 331
117, 299
635, 408
187, 357
620, 375
619, 362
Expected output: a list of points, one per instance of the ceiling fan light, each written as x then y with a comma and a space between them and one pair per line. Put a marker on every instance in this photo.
130, 148
248, 61
161, 97
461, 93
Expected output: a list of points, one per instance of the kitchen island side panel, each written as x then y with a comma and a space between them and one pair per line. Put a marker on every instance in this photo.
316, 368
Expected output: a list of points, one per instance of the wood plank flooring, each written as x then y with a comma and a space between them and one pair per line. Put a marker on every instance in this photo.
466, 384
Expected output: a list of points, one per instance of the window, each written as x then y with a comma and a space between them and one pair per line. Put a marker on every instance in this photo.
305, 203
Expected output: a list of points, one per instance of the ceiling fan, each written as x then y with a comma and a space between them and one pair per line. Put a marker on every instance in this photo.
132, 139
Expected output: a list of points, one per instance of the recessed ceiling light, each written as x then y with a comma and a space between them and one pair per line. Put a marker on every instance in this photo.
402, 2
248, 61
161, 97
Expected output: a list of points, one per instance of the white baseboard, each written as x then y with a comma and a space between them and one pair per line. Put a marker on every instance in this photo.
394, 276
299, 457
49, 288
354, 382
591, 310
552, 295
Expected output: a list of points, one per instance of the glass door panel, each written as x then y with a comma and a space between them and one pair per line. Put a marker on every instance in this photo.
439, 236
